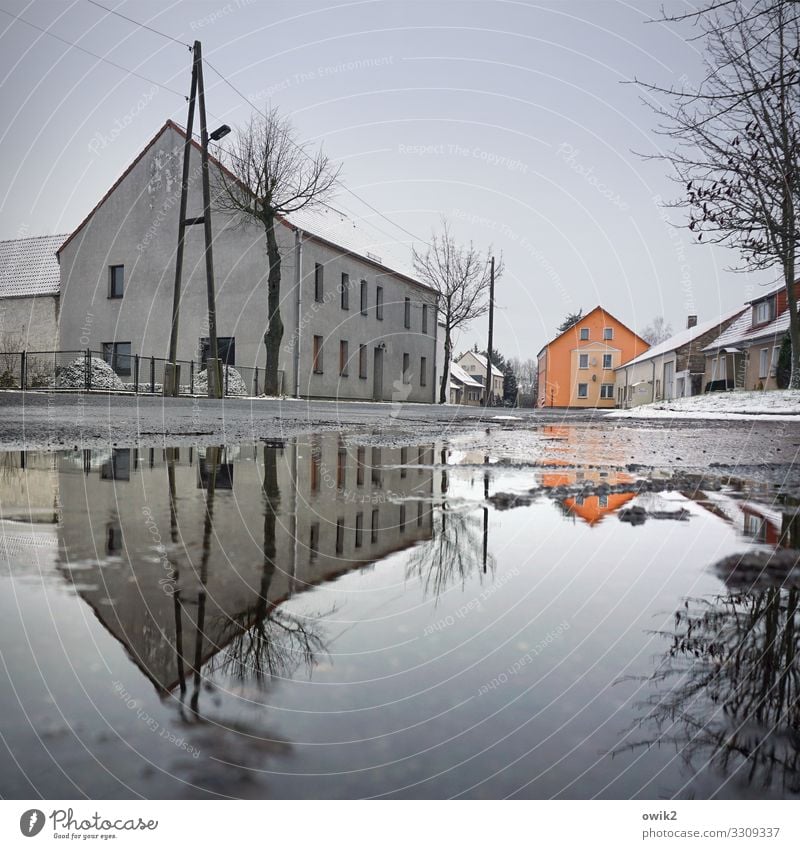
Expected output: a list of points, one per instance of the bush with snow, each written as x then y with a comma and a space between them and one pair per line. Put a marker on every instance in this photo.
103, 376
235, 383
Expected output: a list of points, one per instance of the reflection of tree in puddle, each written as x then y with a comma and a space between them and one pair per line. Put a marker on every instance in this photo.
727, 690
458, 547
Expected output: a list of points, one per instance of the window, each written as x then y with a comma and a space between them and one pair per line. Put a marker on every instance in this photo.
763, 362
584, 334
376, 467
406, 366
722, 367
424, 318
226, 348
608, 333
607, 361
362, 362
118, 356
318, 293
118, 468
359, 529
583, 361
583, 390
423, 371
345, 291
339, 536
364, 297
763, 311
343, 357
407, 313
774, 365
379, 303
402, 522
607, 390
361, 462
317, 355
373, 537
341, 467
116, 281
316, 466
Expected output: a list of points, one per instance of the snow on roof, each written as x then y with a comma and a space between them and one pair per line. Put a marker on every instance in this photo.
459, 374
742, 330
482, 360
29, 266
356, 236
683, 338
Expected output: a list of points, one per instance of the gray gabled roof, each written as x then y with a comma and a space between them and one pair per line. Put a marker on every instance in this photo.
684, 337
29, 266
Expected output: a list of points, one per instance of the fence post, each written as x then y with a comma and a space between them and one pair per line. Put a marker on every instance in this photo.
152, 374
255, 382
191, 377
23, 376
136, 374
88, 370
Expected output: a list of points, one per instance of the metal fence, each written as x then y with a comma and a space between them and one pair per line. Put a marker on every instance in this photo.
111, 371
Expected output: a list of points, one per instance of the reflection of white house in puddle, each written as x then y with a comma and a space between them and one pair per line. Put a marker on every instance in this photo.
760, 522
179, 552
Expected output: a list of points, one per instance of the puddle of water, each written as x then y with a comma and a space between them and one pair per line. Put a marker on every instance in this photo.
324, 618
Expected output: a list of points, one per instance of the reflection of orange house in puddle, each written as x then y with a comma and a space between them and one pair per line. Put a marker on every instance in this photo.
761, 523
591, 508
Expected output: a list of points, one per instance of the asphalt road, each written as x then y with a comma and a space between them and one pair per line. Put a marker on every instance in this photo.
34, 419
758, 450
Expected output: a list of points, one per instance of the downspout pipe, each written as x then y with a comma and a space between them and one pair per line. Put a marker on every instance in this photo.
298, 281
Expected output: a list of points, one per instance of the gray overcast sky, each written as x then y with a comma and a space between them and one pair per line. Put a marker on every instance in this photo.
508, 117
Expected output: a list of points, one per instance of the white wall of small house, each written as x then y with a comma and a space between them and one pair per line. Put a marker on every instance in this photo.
29, 324
137, 227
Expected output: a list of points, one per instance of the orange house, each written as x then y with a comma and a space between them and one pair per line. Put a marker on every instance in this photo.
576, 369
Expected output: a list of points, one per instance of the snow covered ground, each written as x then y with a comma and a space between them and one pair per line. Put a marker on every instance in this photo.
778, 404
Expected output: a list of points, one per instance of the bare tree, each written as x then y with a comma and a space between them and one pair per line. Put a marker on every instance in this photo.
736, 139
658, 331
460, 275
269, 174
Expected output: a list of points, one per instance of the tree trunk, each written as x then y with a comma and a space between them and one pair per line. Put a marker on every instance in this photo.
794, 326
448, 347
274, 334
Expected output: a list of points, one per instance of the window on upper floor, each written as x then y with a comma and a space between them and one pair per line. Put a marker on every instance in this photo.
345, 291
608, 333
607, 358
583, 361
379, 303
584, 334
318, 282
407, 313
116, 281
424, 318
764, 311
364, 297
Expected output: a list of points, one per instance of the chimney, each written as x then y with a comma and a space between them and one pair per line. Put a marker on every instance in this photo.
691, 322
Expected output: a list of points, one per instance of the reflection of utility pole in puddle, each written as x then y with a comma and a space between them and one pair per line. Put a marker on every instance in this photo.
486, 509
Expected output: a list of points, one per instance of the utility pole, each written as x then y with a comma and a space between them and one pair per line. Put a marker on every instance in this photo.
172, 370
488, 395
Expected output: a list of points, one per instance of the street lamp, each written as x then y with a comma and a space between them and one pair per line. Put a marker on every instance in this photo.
220, 133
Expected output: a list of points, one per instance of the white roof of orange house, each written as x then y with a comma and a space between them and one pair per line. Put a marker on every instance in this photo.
463, 377
742, 331
683, 338
29, 267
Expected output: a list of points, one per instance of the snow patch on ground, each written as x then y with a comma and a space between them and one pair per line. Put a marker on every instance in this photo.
235, 383
780, 403
103, 376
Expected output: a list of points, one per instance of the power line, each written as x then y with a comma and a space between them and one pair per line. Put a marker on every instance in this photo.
93, 55
253, 106
138, 24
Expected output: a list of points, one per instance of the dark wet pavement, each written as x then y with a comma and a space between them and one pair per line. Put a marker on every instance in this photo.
346, 615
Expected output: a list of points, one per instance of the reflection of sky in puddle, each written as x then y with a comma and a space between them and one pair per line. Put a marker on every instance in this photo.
319, 617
